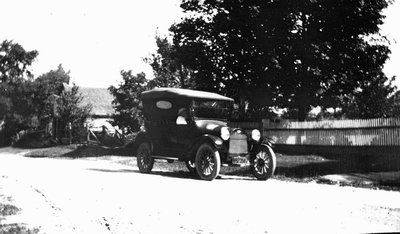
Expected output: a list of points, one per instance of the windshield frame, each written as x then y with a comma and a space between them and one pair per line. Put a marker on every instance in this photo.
220, 112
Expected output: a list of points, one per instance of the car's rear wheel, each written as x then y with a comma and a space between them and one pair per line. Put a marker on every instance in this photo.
145, 161
208, 162
191, 166
263, 163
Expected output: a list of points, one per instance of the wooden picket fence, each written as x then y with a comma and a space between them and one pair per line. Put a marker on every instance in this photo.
248, 126
361, 132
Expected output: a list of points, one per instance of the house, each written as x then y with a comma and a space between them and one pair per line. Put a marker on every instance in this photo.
102, 110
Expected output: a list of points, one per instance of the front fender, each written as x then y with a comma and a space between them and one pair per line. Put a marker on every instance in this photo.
215, 141
267, 141
257, 146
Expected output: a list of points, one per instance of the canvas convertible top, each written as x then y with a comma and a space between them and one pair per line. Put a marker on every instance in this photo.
182, 93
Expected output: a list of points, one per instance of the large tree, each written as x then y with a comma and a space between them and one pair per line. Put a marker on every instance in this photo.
126, 100
70, 111
15, 61
168, 70
396, 104
16, 89
285, 53
48, 87
14, 71
371, 96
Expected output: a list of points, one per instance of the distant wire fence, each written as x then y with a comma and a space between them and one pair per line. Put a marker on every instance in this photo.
45, 137
108, 137
379, 136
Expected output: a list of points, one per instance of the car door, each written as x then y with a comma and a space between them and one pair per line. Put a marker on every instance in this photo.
182, 134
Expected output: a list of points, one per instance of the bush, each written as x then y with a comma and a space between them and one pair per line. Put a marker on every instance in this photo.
34, 140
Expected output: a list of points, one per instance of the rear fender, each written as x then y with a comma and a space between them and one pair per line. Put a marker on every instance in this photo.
140, 138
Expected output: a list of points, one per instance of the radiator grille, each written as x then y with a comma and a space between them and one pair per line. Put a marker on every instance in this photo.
238, 144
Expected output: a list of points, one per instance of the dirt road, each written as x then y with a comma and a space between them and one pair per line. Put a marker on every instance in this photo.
101, 195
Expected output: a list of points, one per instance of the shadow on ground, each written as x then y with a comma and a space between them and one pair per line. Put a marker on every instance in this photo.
77, 151
364, 171
181, 174
309, 166
381, 172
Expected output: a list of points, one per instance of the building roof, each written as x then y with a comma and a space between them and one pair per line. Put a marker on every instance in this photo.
99, 98
182, 93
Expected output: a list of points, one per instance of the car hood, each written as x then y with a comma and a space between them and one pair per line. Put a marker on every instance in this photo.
207, 126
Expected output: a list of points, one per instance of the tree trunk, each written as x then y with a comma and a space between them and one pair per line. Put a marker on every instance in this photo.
302, 115
182, 78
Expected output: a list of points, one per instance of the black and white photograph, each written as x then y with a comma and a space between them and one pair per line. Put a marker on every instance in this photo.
199, 116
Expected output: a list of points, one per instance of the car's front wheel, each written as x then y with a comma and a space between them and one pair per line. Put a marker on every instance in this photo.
208, 162
145, 161
263, 163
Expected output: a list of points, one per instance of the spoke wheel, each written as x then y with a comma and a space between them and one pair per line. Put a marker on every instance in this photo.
263, 163
208, 162
191, 166
144, 160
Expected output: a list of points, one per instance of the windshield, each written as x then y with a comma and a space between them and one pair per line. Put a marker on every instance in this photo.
211, 109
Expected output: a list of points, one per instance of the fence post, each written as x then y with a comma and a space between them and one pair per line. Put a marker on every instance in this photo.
87, 133
70, 132
103, 133
264, 125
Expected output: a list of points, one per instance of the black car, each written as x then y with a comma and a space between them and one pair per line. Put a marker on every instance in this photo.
191, 126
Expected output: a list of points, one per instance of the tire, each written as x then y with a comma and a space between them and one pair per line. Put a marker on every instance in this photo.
263, 163
191, 166
208, 162
144, 160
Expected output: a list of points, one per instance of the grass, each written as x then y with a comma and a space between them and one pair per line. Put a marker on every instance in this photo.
7, 209
17, 228
14, 228
298, 168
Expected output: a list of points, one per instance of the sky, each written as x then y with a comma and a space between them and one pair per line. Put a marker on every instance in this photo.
96, 39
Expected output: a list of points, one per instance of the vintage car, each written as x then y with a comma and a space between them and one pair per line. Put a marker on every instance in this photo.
191, 126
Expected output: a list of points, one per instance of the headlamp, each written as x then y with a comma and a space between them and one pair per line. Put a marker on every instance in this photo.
225, 134
255, 135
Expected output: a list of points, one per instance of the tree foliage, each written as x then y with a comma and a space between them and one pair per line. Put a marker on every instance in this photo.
16, 89
30, 104
48, 87
14, 64
20, 112
285, 53
126, 100
70, 110
167, 68
396, 104
15, 61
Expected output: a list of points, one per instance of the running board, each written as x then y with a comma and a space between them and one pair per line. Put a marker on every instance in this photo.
166, 158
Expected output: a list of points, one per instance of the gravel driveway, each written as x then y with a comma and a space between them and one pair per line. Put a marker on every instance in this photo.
101, 195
